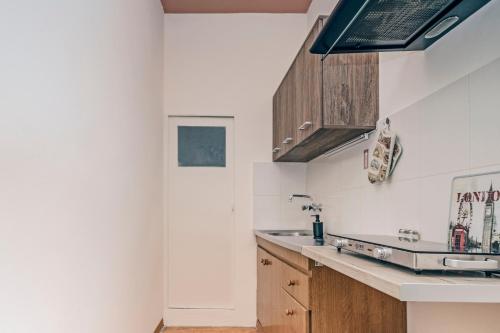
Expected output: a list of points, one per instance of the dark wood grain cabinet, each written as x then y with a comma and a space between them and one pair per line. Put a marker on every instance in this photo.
321, 104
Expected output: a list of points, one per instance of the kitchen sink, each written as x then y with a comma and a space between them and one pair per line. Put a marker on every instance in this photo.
290, 233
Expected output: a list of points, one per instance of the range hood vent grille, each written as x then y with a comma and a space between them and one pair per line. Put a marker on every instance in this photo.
381, 25
391, 22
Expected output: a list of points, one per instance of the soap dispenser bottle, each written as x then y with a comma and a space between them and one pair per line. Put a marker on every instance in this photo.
317, 228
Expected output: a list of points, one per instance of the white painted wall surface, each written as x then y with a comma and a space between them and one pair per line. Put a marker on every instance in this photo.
80, 166
317, 8
231, 65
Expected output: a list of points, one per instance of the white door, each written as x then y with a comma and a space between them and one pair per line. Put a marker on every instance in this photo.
200, 198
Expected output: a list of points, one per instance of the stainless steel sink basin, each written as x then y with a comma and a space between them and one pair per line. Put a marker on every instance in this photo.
290, 233
291, 239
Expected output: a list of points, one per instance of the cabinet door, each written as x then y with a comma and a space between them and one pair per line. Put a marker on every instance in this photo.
268, 286
263, 288
308, 74
342, 304
288, 107
294, 317
350, 90
276, 149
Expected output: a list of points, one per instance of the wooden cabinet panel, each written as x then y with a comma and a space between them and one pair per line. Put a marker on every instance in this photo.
295, 283
277, 149
293, 258
322, 104
294, 317
263, 305
288, 112
268, 292
342, 304
309, 108
350, 90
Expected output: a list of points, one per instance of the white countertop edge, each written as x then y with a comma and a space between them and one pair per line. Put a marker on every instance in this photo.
427, 290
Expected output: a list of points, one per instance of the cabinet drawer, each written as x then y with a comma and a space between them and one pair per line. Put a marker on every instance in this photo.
295, 283
295, 318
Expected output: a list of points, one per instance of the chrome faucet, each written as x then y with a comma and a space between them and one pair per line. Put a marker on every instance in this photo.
314, 207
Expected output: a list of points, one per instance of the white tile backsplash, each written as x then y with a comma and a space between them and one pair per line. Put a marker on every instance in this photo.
452, 132
485, 115
292, 178
272, 185
444, 130
266, 212
266, 179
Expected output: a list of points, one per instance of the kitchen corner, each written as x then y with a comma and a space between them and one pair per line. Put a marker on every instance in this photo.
406, 289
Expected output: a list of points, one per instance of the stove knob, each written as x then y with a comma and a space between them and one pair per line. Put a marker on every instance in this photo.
340, 243
381, 253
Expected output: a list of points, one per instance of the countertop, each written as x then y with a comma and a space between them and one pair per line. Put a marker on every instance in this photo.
398, 282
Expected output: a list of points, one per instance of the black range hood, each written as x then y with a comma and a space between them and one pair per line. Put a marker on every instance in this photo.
391, 25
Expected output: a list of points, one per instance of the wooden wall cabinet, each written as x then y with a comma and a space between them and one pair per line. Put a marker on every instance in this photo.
321, 104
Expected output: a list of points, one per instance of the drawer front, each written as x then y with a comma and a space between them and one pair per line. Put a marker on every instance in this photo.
295, 318
296, 284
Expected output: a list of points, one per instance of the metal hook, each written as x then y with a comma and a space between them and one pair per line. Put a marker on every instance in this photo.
387, 123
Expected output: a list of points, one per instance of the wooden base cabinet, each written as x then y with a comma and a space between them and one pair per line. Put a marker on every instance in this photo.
296, 296
278, 310
321, 104
342, 304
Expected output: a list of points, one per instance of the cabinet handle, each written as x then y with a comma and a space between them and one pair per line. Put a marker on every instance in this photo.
289, 312
287, 140
265, 262
291, 283
276, 149
305, 126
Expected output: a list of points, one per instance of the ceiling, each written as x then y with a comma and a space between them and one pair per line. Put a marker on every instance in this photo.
235, 6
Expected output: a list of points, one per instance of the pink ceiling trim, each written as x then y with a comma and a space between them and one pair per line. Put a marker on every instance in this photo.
236, 6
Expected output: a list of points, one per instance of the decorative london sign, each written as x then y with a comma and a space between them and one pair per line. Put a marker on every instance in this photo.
473, 221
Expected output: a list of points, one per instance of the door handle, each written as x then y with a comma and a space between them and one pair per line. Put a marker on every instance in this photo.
305, 126
471, 264
276, 149
287, 140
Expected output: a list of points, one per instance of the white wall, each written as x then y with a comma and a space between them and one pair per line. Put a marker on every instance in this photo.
80, 166
317, 8
231, 65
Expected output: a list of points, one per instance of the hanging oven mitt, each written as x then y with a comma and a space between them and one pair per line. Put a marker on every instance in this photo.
381, 155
